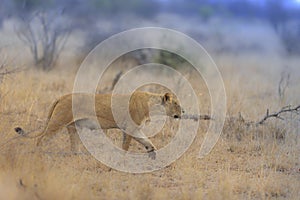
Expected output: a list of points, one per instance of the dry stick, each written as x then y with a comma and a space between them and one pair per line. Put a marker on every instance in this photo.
204, 117
7, 72
197, 117
277, 114
285, 109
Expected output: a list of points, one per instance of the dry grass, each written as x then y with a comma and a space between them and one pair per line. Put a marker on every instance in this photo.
246, 163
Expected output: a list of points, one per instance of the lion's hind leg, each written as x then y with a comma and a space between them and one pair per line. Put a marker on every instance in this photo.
74, 137
52, 128
80, 124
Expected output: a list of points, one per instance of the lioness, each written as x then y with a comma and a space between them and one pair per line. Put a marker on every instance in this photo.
61, 115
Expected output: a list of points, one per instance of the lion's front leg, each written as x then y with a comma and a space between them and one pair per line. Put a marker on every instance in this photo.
144, 140
126, 141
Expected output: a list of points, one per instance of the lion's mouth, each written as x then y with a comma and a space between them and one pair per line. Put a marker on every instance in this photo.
176, 117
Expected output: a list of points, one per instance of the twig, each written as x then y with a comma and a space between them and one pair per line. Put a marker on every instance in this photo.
277, 114
197, 117
6, 71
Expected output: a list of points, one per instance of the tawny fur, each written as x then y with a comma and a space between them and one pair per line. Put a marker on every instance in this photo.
61, 114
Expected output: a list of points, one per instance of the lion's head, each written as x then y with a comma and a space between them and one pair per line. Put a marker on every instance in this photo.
172, 106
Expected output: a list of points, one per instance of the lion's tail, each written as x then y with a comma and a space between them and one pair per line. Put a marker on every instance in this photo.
21, 132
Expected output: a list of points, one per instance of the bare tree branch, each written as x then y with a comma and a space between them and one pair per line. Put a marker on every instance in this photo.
7, 72
45, 35
4, 69
279, 113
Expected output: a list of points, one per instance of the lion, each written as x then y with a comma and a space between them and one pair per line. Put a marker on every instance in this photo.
61, 115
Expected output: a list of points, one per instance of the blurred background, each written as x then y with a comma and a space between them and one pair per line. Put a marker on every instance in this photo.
37, 33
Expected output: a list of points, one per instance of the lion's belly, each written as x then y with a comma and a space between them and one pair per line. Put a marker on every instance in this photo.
107, 123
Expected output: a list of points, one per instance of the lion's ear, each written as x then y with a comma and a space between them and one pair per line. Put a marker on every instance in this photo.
167, 97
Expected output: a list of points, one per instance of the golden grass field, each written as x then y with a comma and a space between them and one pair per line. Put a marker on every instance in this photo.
255, 162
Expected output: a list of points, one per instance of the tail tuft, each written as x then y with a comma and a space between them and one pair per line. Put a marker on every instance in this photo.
19, 130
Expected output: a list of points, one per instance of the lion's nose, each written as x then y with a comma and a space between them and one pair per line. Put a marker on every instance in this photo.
183, 111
